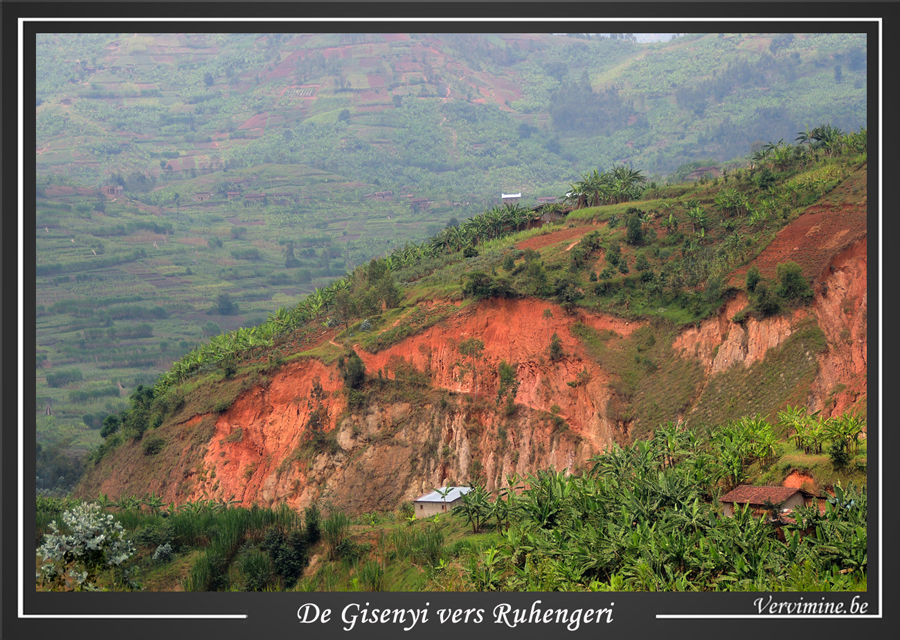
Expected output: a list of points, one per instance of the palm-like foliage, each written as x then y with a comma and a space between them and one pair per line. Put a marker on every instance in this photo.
697, 216
475, 506
639, 521
621, 184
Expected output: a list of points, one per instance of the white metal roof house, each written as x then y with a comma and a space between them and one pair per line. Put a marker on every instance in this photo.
434, 503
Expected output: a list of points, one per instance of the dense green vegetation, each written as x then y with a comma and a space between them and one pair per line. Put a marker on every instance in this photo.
642, 518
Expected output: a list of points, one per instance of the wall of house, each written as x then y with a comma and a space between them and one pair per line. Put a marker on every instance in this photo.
428, 509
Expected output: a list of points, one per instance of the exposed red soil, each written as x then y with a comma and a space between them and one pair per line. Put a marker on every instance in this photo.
280, 72
256, 122
545, 240
367, 96
812, 240
798, 480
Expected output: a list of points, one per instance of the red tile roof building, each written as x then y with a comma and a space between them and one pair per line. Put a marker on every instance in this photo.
757, 497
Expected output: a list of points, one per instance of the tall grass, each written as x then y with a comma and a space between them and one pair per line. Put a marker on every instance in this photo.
426, 546
335, 528
227, 530
371, 576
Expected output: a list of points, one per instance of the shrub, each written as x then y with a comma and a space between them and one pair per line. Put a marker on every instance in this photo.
152, 446
753, 278
407, 510
642, 263
163, 553
62, 378
312, 524
613, 254
350, 552
288, 560
556, 351
634, 235
154, 535
96, 542
837, 452
767, 301
353, 370
793, 284
714, 288
256, 570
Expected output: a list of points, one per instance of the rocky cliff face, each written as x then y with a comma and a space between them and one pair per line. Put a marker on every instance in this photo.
407, 439
840, 310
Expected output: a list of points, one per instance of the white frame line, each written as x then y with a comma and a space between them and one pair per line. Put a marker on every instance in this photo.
20, 315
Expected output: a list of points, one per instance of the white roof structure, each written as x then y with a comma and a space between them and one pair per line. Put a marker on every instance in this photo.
511, 195
453, 495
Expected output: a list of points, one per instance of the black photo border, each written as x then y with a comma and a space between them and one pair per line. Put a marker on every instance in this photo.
36, 615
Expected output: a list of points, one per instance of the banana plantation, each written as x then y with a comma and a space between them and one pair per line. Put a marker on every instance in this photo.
645, 518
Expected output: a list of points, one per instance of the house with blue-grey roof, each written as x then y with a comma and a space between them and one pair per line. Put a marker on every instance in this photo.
439, 501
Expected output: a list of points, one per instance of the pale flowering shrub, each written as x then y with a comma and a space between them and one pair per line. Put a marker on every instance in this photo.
96, 543
163, 553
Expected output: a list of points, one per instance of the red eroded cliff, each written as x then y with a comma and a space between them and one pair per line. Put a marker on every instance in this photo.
406, 439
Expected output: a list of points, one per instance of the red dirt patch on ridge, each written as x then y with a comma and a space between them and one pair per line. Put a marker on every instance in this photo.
256, 122
539, 242
812, 240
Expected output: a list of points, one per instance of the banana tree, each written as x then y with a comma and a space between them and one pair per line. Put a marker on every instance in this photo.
697, 217
474, 506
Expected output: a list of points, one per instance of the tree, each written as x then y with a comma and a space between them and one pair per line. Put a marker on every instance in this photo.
472, 348
344, 307
111, 425
697, 217
225, 306
793, 284
475, 506
556, 350
344, 115
290, 261
634, 231
208, 79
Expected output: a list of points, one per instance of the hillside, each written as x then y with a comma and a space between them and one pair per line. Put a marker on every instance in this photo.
529, 350
190, 184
